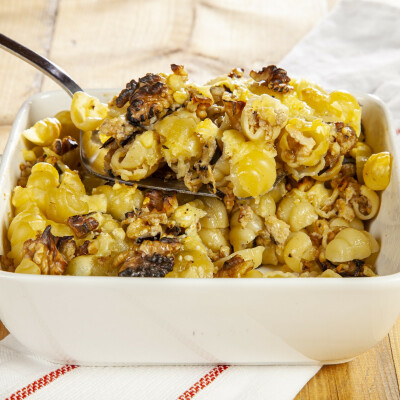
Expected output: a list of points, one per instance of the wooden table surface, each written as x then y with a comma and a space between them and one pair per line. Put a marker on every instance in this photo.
105, 43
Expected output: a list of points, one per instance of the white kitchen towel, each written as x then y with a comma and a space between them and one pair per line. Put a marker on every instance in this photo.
26, 376
357, 47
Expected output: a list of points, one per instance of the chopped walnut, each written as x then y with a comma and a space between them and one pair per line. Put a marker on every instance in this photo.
152, 218
43, 252
278, 229
164, 246
25, 169
354, 268
82, 224
64, 145
150, 259
7, 264
161, 202
199, 103
235, 267
234, 111
149, 97
217, 92
179, 70
350, 194
236, 73
229, 197
203, 168
346, 137
67, 247
141, 225
246, 215
273, 77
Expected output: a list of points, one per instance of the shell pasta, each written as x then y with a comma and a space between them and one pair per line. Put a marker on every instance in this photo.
295, 183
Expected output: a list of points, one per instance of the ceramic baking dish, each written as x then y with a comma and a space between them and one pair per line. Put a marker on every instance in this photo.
121, 321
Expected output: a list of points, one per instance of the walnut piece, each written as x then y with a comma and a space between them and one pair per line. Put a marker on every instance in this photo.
236, 73
82, 224
354, 268
161, 202
234, 111
273, 77
235, 267
64, 145
346, 137
153, 258
43, 251
149, 97
278, 229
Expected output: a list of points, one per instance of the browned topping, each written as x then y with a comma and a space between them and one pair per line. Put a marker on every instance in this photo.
165, 246
351, 269
217, 93
229, 197
43, 251
157, 201
278, 230
304, 184
87, 247
25, 169
246, 215
364, 206
236, 73
178, 70
348, 169
272, 77
7, 264
64, 145
67, 247
148, 98
235, 267
346, 137
82, 224
150, 259
234, 111
199, 103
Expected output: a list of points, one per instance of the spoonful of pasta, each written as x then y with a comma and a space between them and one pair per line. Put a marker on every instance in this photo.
164, 132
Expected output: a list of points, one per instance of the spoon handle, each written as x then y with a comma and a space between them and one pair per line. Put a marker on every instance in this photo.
43, 64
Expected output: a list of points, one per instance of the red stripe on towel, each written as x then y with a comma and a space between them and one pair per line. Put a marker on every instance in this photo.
40, 383
203, 382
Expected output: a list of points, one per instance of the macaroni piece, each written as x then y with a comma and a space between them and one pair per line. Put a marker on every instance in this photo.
294, 177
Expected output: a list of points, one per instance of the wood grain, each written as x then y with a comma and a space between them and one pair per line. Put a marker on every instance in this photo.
30, 23
394, 338
105, 43
371, 375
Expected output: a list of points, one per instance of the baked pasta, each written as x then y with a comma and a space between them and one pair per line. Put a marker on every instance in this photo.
295, 183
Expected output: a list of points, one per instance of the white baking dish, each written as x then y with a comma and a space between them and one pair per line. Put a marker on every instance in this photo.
121, 321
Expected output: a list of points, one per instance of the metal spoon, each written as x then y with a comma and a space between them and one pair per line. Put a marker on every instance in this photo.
89, 145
